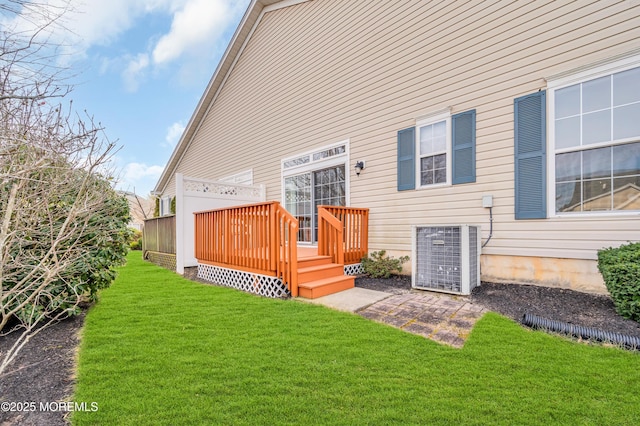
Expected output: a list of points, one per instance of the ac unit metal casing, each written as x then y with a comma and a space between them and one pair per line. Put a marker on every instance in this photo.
446, 258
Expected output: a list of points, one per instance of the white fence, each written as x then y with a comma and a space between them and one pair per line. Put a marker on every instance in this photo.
194, 195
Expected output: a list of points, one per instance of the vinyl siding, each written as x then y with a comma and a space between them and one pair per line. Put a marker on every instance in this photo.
325, 71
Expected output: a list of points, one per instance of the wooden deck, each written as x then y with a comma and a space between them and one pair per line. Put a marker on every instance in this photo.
262, 238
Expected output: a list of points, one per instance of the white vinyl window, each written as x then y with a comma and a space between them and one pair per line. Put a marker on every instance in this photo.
595, 136
434, 151
165, 206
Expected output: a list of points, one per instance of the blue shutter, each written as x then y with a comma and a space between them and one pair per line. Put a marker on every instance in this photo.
406, 159
464, 147
530, 156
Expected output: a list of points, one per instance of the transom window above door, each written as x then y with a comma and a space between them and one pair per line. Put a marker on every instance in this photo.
315, 156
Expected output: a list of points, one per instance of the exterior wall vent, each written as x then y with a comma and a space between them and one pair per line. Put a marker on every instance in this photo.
446, 258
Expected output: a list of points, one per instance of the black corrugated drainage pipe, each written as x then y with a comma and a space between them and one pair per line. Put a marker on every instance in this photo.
587, 333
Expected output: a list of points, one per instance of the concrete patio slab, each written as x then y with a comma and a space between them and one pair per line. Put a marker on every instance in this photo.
351, 300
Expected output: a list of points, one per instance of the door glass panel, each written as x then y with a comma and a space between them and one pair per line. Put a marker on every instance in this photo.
305, 192
329, 190
298, 203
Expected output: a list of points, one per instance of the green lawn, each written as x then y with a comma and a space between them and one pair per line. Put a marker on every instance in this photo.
158, 349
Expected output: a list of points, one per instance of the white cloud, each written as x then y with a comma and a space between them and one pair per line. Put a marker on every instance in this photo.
134, 171
196, 28
139, 177
100, 22
135, 71
174, 132
196, 24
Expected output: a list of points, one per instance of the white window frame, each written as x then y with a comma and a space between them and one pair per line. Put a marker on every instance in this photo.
165, 206
433, 118
323, 163
560, 81
313, 165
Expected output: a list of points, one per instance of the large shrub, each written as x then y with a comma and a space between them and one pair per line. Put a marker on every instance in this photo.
620, 268
62, 226
68, 230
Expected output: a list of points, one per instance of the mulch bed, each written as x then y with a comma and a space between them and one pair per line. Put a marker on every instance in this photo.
44, 370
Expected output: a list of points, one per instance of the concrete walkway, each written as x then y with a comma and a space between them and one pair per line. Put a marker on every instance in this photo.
351, 300
444, 318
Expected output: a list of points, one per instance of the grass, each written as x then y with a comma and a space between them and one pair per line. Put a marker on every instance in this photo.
161, 350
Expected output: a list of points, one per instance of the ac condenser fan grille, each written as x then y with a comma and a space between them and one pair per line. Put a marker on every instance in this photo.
446, 258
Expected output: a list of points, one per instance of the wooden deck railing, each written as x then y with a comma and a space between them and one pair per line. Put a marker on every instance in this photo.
260, 238
354, 232
159, 235
330, 236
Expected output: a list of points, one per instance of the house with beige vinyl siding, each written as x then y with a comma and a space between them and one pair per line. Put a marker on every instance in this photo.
520, 118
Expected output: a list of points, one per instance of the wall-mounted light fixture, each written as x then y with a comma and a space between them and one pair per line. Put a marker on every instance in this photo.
359, 167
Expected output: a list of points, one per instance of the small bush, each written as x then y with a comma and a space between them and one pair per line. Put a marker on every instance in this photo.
379, 265
135, 242
620, 269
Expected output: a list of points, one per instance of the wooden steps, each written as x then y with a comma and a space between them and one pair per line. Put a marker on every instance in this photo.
318, 276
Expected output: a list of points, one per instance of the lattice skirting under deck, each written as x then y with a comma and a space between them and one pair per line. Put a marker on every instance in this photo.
353, 269
263, 285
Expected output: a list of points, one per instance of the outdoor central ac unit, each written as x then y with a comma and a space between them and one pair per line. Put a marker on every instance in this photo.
446, 258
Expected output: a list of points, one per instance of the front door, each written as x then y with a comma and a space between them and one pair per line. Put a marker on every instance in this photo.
306, 191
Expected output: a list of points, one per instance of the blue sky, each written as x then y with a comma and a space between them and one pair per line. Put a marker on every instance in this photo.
140, 68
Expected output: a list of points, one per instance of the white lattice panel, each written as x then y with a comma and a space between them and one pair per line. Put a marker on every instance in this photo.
263, 285
354, 269
222, 188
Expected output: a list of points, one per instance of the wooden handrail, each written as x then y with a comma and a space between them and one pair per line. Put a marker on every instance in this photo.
354, 222
287, 245
330, 236
260, 238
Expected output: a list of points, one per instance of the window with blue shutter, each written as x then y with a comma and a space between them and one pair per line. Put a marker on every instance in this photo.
406, 159
530, 156
463, 140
